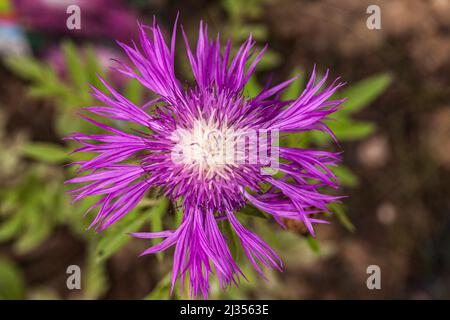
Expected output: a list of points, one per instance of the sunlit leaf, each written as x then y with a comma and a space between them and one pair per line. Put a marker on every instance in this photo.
26, 68
313, 244
12, 284
351, 130
10, 227
76, 70
344, 130
92, 67
362, 93
36, 228
45, 152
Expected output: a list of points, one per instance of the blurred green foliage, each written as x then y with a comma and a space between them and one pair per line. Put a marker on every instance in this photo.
34, 202
12, 284
32, 206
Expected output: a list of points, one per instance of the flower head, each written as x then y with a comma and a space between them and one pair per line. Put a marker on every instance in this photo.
207, 147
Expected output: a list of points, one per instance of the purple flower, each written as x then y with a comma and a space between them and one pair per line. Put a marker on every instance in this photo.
180, 151
101, 19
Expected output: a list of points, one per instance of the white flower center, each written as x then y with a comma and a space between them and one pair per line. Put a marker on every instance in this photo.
207, 147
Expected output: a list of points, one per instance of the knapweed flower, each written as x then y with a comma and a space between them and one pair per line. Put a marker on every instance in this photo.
197, 146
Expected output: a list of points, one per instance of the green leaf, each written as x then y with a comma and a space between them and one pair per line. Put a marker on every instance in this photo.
76, 70
12, 284
351, 130
241, 32
250, 210
5, 7
179, 214
156, 216
92, 67
45, 152
118, 235
68, 122
10, 228
338, 210
345, 176
313, 244
46, 90
134, 91
252, 88
26, 68
297, 139
232, 7
294, 90
231, 237
37, 229
161, 290
345, 130
269, 60
95, 281
362, 93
